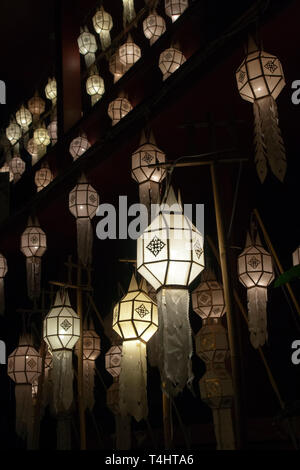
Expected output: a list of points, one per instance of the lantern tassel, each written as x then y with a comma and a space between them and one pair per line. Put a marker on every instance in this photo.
223, 428
128, 11
62, 376
24, 410
149, 194
105, 39
2, 297
89, 383
89, 59
175, 339
260, 148
275, 150
33, 267
84, 240
133, 392
257, 313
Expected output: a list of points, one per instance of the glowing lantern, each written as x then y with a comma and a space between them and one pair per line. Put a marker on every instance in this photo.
175, 8
87, 46
260, 80
113, 360
255, 270
43, 176
36, 106
3, 272
129, 52
41, 136
116, 68
154, 26
103, 24
6, 169
17, 166
13, 132
118, 109
128, 11
33, 246
79, 146
83, 204
95, 86
24, 366
296, 257
52, 131
170, 60
135, 320
208, 298
170, 257
24, 118
35, 150
51, 90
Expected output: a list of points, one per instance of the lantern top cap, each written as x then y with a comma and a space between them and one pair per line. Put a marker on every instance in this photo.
62, 298
208, 275
147, 137
143, 286
170, 200
133, 286
82, 178
251, 45
25, 340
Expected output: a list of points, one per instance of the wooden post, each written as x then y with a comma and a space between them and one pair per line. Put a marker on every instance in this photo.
80, 365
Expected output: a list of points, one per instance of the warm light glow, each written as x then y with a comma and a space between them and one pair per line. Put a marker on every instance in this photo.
170, 60
36, 105
129, 53
255, 267
23, 117
41, 136
175, 8
87, 43
79, 146
95, 85
13, 133
154, 26
118, 109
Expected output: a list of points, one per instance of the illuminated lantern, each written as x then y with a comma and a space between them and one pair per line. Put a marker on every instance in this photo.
13, 132
135, 320
116, 68
255, 270
6, 169
51, 90
170, 257
95, 86
33, 246
208, 298
103, 24
41, 136
52, 131
154, 26
43, 176
36, 106
3, 272
129, 52
118, 109
128, 11
260, 80
113, 360
79, 146
24, 365
83, 204
17, 166
175, 8
296, 257
61, 331
149, 179
36, 151
170, 60
24, 118
87, 46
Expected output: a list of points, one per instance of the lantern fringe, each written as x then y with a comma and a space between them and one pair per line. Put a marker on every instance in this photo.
24, 411
223, 428
63, 433
153, 351
95, 99
84, 240
89, 383
123, 432
33, 267
274, 146
149, 194
2, 297
133, 380
89, 59
62, 377
257, 315
260, 148
105, 39
128, 11
175, 340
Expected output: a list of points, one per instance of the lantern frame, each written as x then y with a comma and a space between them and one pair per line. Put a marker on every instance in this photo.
79, 146
102, 21
154, 26
83, 199
113, 359
95, 85
208, 299
175, 8
148, 153
23, 117
87, 43
3, 266
24, 364
118, 109
255, 267
13, 132
33, 240
36, 105
170, 60
129, 52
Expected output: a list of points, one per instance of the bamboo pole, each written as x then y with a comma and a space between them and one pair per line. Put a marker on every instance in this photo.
231, 320
80, 365
274, 254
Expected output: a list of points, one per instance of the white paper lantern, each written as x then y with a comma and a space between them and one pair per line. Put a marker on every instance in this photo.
87, 46
43, 177
51, 90
175, 8
35, 150
13, 133
170, 60
103, 24
116, 67
129, 52
24, 117
79, 146
95, 85
113, 360
52, 131
118, 109
41, 136
3, 272
128, 11
296, 257
17, 166
6, 169
154, 26
208, 298
36, 105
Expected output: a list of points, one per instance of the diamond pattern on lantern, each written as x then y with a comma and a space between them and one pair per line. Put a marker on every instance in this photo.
205, 299
34, 239
147, 158
242, 76
254, 262
31, 363
87, 343
66, 325
198, 249
142, 311
92, 198
271, 66
155, 246
217, 310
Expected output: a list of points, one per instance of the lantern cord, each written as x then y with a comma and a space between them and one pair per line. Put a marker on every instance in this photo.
183, 428
236, 192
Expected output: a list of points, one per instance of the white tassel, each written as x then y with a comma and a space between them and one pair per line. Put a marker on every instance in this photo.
24, 410
62, 377
105, 39
84, 240
133, 379
257, 315
128, 11
89, 58
89, 383
223, 428
33, 267
149, 194
260, 149
2, 296
175, 339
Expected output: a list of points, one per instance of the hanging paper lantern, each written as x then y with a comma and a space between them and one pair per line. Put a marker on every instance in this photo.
296, 257
113, 360
43, 177
170, 60
149, 179
255, 270
17, 166
35, 150
118, 109
61, 333
41, 136
33, 246
79, 146
36, 105
208, 298
3, 272
91, 350
170, 257
135, 320
24, 118
24, 366
13, 132
6, 169
129, 53
154, 26
95, 86
175, 8
103, 24
83, 204
51, 90
128, 11
52, 131
87, 46
260, 80
116, 68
